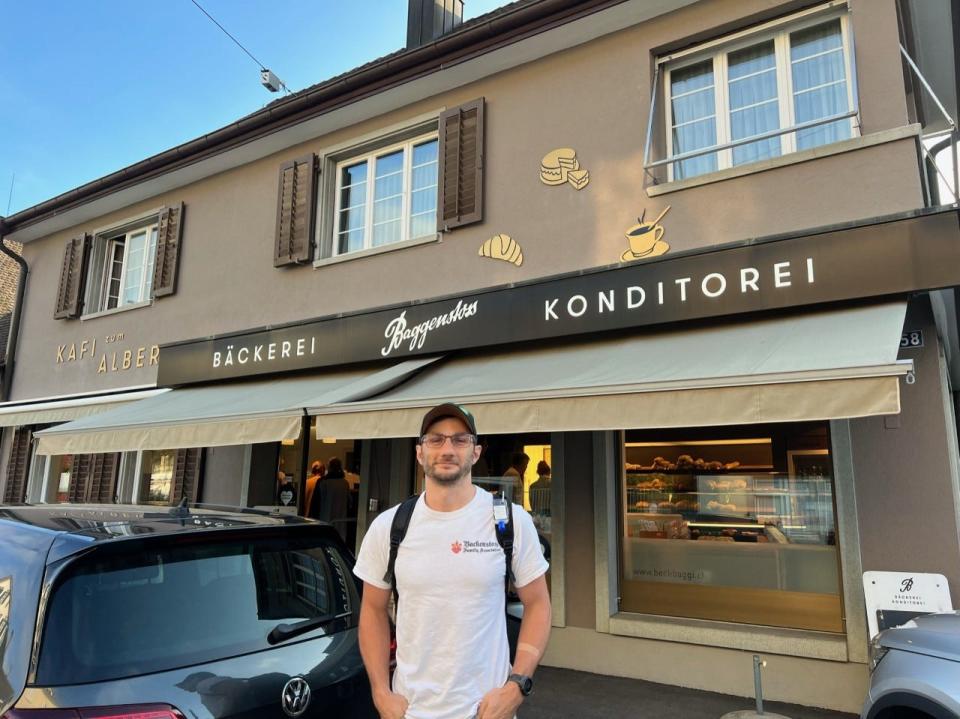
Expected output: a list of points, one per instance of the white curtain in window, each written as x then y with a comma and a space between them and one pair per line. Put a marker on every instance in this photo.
388, 199
693, 113
819, 83
754, 108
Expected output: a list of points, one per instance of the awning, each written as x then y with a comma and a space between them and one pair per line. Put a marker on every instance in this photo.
20, 414
219, 415
824, 365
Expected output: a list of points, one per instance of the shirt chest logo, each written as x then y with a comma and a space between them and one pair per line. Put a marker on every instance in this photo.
474, 547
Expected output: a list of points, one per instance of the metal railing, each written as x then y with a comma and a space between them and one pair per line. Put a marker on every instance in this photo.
751, 139
953, 133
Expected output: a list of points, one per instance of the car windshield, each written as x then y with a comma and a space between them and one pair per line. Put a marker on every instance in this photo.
118, 615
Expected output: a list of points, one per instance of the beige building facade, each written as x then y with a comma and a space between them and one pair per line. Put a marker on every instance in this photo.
738, 365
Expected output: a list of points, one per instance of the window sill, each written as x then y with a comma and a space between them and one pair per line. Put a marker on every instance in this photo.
837, 148
116, 310
426, 240
771, 640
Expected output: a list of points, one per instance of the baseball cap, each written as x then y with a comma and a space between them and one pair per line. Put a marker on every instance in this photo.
448, 409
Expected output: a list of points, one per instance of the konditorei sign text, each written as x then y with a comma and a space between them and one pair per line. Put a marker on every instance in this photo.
862, 262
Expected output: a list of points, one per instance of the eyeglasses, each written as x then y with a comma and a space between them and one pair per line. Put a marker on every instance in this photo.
460, 440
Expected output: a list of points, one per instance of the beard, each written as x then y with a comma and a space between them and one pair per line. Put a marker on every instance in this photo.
447, 476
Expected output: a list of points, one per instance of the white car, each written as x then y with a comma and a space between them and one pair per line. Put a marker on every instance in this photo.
915, 670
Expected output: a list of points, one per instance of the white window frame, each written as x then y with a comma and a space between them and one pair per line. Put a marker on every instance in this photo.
371, 159
719, 50
104, 248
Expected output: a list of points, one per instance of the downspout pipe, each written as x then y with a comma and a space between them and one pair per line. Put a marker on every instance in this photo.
17, 311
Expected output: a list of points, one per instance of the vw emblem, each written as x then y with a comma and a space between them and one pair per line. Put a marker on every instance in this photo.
296, 697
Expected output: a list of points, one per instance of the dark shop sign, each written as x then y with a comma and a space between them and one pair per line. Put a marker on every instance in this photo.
868, 261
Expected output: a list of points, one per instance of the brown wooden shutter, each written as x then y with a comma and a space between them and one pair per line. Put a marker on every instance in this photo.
73, 275
460, 176
93, 478
166, 265
15, 486
186, 475
79, 473
296, 211
102, 482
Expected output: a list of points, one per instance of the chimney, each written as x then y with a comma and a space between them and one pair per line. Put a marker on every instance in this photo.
427, 20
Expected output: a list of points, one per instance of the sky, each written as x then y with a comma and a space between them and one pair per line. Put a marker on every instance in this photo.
91, 86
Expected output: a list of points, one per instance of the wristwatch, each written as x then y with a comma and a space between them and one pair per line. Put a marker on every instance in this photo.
524, 682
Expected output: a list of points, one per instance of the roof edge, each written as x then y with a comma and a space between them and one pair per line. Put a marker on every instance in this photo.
485, 34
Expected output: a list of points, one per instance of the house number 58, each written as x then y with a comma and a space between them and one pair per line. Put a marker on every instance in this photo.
912, 339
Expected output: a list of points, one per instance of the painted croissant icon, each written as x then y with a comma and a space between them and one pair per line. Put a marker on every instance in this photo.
502, 247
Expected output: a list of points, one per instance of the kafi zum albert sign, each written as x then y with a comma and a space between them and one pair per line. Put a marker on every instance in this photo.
110, 358
861, 262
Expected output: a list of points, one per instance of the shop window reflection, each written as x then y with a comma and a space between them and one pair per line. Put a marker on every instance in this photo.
63, 477
732, 527
157, 476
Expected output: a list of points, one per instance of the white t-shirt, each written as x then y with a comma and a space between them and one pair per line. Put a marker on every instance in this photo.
451, 626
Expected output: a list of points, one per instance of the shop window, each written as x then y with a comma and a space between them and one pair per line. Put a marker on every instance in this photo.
386, 196
169, 475
764, 84
731, 524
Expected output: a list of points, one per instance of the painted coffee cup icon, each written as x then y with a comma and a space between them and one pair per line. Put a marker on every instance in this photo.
646, 239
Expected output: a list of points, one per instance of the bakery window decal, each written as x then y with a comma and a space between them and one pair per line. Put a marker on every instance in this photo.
502, 247
561, 167
645, 239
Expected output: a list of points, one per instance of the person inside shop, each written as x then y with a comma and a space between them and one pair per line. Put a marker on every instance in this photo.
540, 491
317, 470
286, 488
331, 497
516, 470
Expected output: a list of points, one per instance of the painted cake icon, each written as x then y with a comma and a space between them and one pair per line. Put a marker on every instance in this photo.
561, 166
646, 239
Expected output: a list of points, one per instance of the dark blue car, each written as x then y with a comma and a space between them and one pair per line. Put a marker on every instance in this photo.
156, 613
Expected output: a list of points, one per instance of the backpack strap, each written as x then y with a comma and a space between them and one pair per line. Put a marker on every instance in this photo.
504, 532
398, 530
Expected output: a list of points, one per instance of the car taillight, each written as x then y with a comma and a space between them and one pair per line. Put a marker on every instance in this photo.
133, 711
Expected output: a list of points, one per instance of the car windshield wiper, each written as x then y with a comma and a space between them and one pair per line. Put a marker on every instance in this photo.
283, 632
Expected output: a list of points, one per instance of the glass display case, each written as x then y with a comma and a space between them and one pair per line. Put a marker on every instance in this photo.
736, 528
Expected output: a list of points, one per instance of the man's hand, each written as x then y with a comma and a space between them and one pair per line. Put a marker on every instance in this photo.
501, 703
390, 705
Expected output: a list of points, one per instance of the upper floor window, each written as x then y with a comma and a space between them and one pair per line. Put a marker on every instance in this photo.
386, 196
382, 191
123, 266
125, 274
781, 86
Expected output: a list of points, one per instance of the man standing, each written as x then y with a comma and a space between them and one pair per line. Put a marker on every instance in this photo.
452, 650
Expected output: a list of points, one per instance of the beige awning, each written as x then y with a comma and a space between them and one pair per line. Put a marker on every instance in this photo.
823, 365
21, 414
218, 415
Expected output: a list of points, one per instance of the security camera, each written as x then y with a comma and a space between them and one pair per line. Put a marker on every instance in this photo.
270, 81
